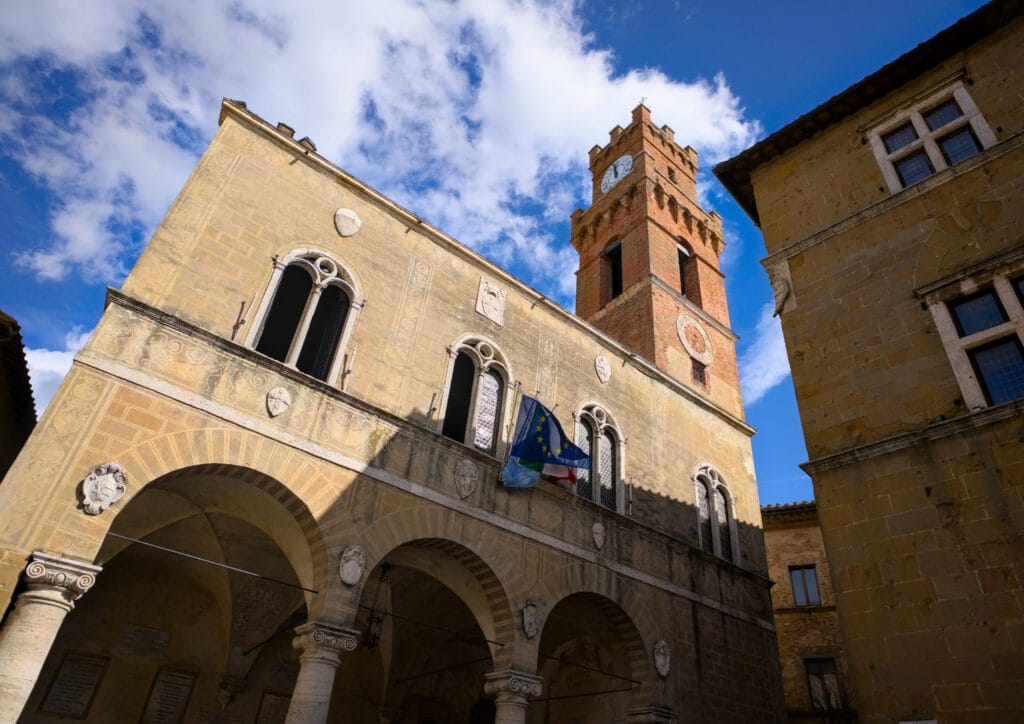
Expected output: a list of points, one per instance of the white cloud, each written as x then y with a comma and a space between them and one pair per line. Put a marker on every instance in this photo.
48, 367
475, 115
763, 362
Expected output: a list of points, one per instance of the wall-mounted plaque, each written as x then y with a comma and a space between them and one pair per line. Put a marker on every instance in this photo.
273, 708
149, 643
75, 685
169, 697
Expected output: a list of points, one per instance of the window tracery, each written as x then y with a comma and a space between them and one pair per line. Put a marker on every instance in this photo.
715, 517
598, 436
476, 394
307, 313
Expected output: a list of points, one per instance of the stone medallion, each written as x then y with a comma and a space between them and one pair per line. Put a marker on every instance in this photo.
353, 561
603, 368
662, 658
278, 400
695, 339
347, 222
599, 535
531, 624
101, 488
466, 477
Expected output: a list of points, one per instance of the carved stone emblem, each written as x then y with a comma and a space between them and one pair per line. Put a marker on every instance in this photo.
353, 561
103, 487
466, 477
530, 623
782, 287
695, 339
278, 400
347, 222
490, 301
603, 368
599, 535
662, 658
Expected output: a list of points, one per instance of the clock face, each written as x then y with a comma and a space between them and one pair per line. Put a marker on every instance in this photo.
619, 168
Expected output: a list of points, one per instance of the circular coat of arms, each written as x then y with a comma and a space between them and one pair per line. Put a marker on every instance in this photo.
695, 339
347, 222
103, 487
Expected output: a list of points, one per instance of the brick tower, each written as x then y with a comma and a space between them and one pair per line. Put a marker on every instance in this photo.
649, 274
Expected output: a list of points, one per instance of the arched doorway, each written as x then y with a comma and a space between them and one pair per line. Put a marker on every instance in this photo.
170, 637
590, 658
428, 624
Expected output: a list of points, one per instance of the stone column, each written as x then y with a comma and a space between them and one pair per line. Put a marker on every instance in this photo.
54, 584
321, 644
510, 690
651, 715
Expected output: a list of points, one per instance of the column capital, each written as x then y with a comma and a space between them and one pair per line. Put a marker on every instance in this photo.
651, 715
58, 580
325, 641
509, 684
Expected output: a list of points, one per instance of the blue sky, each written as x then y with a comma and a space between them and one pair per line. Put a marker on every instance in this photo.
476, 115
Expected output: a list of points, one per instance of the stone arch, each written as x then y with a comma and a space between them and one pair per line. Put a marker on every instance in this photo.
234, 454
428, 530
602, 622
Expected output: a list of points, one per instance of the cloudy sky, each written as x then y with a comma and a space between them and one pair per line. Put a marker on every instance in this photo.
476, 115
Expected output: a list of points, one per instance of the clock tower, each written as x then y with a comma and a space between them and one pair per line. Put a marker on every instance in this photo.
649, 275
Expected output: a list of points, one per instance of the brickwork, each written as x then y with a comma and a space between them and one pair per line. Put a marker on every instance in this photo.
651, 212
918, 490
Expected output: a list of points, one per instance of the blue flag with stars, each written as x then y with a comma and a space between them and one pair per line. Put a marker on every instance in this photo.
539, 440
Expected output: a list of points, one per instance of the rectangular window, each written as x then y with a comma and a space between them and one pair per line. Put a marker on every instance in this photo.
823, 684
684, 257
977, 312
1000, 369
700, 372
929, 136
982, 331
805, 586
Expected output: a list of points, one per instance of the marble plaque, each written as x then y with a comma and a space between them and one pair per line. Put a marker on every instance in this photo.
169, 697
273, 708
75, 685
142, 641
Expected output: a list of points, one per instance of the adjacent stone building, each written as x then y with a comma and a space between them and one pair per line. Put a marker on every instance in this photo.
17, 407
267, 490
893, 216
811, 656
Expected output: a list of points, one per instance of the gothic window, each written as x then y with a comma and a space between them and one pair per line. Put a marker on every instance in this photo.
475, 398
597, 435
715, 520
306, 314
613, 270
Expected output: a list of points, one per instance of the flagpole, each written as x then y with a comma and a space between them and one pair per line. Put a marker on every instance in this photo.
517, 396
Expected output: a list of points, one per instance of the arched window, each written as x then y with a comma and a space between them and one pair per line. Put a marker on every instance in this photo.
597, 435
714, 512
475, 399
306, 314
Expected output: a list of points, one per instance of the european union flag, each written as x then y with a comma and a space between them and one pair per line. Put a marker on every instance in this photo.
539, 440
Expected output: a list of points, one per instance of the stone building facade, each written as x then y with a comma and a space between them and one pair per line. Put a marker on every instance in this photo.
811, 655
893, 217
267, 490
